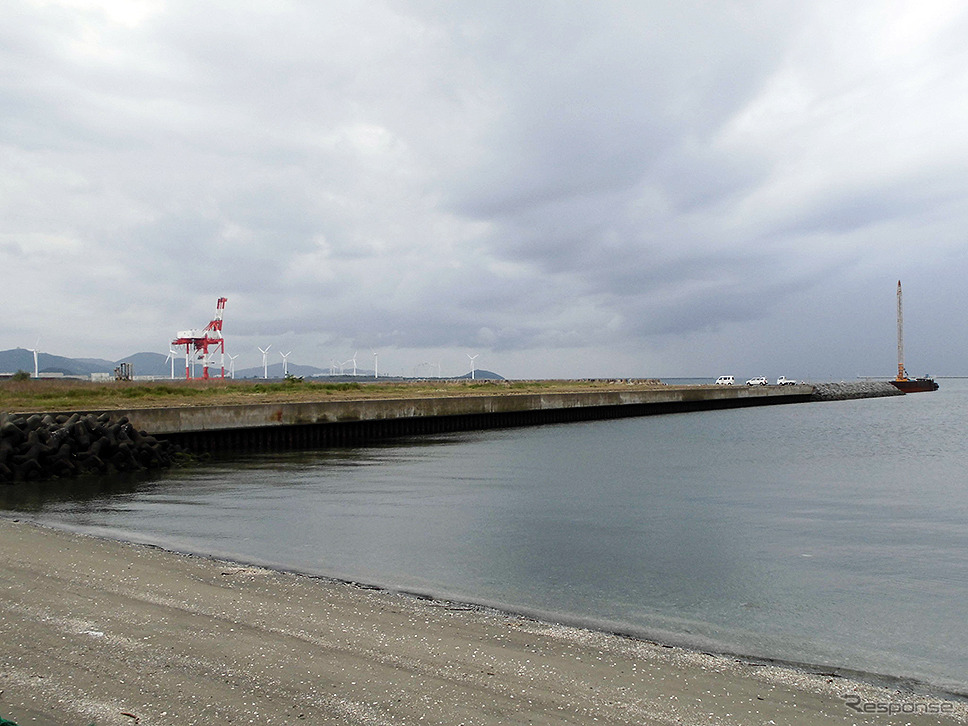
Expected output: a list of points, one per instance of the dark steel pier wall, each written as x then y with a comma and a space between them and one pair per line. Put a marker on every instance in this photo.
302, 425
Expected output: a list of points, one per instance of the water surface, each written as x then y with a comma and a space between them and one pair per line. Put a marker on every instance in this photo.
828, 533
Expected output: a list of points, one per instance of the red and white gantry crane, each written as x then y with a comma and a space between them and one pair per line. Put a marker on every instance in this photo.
202, 345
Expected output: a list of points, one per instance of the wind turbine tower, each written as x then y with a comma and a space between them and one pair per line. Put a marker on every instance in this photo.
232, 365
171, 357
376, 364
265, 361
34, 351
472, 357
285, 363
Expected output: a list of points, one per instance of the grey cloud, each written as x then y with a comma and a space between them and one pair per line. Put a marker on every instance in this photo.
596, 99
497, 176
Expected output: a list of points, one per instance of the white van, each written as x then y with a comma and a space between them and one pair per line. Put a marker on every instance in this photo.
725, 381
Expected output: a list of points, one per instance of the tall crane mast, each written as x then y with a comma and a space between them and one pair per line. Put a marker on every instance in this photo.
902, 382
901, 373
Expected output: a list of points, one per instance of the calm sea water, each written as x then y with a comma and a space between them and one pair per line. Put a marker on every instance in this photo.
827, 533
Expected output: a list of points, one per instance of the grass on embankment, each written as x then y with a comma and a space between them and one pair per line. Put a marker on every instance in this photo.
72, 395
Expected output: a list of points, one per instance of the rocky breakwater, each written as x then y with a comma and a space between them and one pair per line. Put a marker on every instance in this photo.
44, 446
855, 389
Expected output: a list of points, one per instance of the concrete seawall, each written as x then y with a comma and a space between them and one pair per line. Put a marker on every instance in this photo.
336, 423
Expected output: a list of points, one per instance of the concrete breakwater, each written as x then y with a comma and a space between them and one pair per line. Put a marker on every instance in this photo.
37, 446
339, 423
44, 445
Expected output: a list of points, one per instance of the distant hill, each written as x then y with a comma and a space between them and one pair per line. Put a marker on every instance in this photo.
21, 359
144, 364
275, 371
481, 375
96, 364
155, 364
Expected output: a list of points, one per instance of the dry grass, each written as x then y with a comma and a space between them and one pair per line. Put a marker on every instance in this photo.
72, 395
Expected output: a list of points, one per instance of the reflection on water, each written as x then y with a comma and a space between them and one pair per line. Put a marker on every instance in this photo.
830, 533
74, 493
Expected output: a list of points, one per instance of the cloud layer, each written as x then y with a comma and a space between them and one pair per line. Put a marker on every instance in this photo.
588, 190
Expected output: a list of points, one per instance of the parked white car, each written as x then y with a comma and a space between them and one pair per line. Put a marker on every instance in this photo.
784, 381
758, 381
725, 381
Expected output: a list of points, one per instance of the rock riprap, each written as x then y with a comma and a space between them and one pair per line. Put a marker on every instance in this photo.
42, 446
844, 391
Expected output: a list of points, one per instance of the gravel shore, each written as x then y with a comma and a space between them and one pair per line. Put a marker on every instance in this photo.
98, 631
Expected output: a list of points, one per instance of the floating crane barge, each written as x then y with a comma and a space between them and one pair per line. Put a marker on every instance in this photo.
902, 382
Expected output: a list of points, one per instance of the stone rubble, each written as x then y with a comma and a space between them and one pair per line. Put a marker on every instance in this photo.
42, 446
855, 389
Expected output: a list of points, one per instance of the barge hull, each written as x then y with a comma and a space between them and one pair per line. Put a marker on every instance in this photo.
915, 385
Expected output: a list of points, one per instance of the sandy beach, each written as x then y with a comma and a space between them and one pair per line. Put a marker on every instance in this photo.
103, 632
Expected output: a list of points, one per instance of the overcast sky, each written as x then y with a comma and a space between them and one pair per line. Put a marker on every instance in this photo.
564, 189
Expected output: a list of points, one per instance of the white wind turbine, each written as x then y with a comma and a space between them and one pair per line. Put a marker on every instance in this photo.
347, 362
34, 351
171, 357
231, 365
472, 357
376, 364
285, 363
265, 361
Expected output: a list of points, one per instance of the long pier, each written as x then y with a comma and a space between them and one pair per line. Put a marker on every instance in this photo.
301, 425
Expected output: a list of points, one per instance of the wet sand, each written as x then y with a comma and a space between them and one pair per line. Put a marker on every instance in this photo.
98, 631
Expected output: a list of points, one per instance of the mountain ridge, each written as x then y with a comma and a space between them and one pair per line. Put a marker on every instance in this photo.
161, 366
